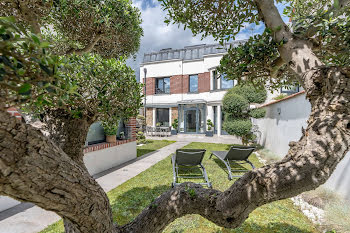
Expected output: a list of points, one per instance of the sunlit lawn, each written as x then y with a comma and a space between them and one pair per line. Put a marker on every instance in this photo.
151, 146
128, 200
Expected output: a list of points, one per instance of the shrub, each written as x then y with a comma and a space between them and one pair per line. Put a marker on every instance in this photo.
250, 93
239, 127
235, 104
140, 137
110, 128
257, 112
175, 124
210, 124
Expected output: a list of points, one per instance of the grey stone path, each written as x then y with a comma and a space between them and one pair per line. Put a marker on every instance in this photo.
35, 219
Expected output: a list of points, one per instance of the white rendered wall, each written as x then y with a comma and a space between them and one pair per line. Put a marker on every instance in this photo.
194, 67
162, 69
7, 203
279, 129
101, 160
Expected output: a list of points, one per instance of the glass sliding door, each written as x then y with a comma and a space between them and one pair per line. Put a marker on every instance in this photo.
191, 121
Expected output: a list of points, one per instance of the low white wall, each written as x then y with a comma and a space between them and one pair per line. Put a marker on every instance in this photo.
283, 123
101, 160
96, 162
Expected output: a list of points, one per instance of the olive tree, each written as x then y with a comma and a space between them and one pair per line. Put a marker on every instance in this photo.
33, 168
236, 106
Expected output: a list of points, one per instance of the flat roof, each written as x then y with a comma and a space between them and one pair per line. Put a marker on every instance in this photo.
193, 52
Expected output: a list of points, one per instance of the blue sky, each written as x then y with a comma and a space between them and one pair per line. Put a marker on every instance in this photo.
158, 35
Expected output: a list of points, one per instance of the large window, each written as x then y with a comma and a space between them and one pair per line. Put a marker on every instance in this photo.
226, 83
193, 83
162, 116
162, 85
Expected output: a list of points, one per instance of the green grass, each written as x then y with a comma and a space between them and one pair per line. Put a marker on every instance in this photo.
130, 198
152, 145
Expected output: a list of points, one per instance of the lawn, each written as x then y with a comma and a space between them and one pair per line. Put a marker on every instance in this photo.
152, 145
131, 197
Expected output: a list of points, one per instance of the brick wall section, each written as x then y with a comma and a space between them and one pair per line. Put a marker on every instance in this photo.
150, 86
105, 145
149, 116
174, 114
131, 127
186, 83
13, 111
176, 84
204, 82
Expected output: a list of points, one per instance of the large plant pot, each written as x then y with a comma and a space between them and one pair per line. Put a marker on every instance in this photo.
209, 133
111, 138
173, 132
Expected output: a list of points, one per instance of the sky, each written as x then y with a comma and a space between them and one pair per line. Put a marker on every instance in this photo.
158, 35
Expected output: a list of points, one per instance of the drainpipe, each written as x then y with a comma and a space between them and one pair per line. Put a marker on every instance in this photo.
144, 78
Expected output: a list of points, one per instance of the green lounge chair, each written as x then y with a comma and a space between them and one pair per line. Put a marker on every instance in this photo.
238, 154
186, 160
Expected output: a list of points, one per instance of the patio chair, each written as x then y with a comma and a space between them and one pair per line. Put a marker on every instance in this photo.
187, 160
238, 154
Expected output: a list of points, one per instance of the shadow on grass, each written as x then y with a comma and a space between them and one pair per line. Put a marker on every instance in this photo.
234, 166
129, 204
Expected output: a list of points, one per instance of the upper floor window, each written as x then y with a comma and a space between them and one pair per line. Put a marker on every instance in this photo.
215, 80
291, 89
193, 83
226, 83
162, 85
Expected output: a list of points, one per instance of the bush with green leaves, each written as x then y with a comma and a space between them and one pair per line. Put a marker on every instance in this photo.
175, 124
210, 124
110, 128
236, 107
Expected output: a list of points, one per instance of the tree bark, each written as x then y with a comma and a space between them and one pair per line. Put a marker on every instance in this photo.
33, 169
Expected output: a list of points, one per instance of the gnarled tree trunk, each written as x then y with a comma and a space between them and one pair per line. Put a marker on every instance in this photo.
33, 169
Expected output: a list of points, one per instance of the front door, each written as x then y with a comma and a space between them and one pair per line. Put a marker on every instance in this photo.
191, 121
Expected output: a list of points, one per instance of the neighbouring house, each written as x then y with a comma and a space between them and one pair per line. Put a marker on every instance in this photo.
283, 123
184, 84
99, 155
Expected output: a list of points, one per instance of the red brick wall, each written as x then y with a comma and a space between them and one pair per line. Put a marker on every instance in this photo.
131, 127
176, 84
150, 86
186, 83
204, 82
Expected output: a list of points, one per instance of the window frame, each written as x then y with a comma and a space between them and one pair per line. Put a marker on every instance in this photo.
189, 83
157, 115
290, 91
221, 78
161, 91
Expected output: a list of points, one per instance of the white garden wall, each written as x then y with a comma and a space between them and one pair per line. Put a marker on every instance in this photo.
283, 123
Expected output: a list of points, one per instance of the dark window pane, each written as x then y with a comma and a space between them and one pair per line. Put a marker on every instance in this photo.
163, 85
226, 83
163, 116
193, 83
290, 89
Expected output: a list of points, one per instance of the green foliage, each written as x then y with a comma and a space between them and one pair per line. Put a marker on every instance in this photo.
175, 124
210, 124
251, 93
27, 69
280, 96
91, 86
257, 112
110, 128
140, 137
239, 127
235, 104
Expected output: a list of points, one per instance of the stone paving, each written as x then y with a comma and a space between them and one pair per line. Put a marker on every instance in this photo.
31, 219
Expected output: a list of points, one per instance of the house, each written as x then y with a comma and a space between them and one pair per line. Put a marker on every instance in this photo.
184, 84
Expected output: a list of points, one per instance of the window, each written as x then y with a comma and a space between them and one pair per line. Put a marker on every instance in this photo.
215, 80
162, 85
162, 115
193, 85
291, 89
226, 83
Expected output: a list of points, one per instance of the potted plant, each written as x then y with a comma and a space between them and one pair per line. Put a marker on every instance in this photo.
210, 126
110, 129
122, 135
175, 124
159, 124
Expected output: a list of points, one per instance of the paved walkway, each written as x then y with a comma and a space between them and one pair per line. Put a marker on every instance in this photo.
35, 219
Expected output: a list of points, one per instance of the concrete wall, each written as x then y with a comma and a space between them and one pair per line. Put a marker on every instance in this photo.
101, 160
283, 123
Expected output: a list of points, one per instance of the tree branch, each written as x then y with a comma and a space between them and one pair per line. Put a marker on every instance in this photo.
87, 48
275, 66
